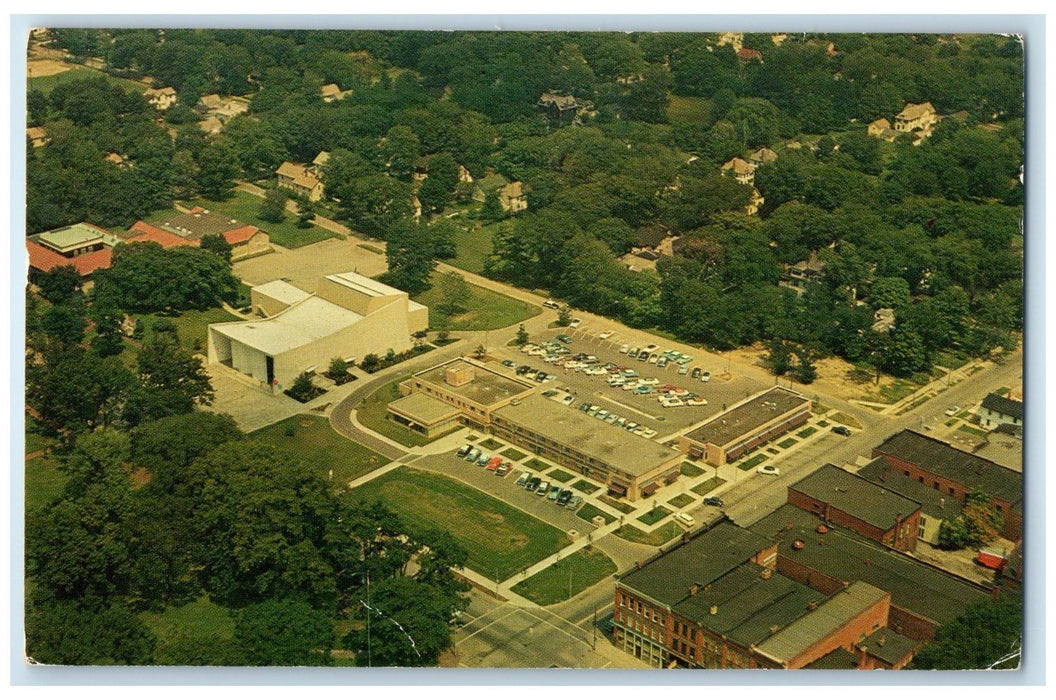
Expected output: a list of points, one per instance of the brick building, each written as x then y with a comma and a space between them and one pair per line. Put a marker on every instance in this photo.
841, 498
956, 473
746, 425
934, 507
715, 601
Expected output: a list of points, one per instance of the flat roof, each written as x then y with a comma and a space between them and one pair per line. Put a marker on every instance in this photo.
846, 556
627, 452
1003, 405
364, 285
944, 460
839, 659
488, 386
282, 291
888, 645
747, 416
423, 409
856, 496
818, 624
200, 222
933, 503
705, 558
303, 323
76, 235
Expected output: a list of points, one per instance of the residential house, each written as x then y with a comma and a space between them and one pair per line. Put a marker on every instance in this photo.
37, 136
211, 125
916, 117
303, 180
741, 170
332, 92
513, 197
756, 201
161, 98
245, 240
998, 410
796, 277
558, 108
881, 129
763, 155
118, 160
223, 108
883, 320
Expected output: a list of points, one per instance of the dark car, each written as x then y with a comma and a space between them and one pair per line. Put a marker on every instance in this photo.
841, 430
533, 483
524, 369
564, 497
713, 501
540, 376
507, 363
564, 339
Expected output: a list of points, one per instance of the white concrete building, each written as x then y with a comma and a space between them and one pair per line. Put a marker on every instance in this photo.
348, 316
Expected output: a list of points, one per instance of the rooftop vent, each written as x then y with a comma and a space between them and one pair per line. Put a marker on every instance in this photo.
714, 610
822, 528
798, 544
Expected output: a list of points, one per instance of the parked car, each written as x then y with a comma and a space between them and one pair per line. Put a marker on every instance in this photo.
617, 381
662, 362
584, 407
841, 430
648, 433
705, 377
601, 414
523, 478
652, 347
540, 376
493, 464
533, 483
473, 454
633, 352
605, 335
672, 403
683, 369
575, 323
695, 373
484, 459
567, 400
523, 369
768, 470
685, 519
643, 389
554, 492
593, 410
543, 488
564, 339
713, 501
464, 450
651, 381
564, 497
953, 411
643, 356
624, 348
697, 401
551, 304
507, 363
574, 502
504, 469
653, 358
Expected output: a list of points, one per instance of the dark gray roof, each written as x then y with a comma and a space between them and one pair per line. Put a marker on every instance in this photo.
839, 659
888, 645
704, 559
856, 496
1003, 405
944, 460
845, 556
933, 503
747, 416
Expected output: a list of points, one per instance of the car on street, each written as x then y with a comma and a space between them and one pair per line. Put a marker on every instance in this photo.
605, 335
551, 304
953, 411
705, 377
575, 323
624, 348
713, 501
523, 478
685, 519
769, 470
841, 430
543, 488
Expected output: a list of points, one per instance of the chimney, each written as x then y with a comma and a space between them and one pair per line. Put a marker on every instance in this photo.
880, 641
766, 574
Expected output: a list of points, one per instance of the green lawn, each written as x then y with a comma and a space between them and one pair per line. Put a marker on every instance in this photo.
787, 442
313, 441
514, 454
690, 110
199, 629
807, 432
47, 83
567, 577
708, 486
689, 469
44, 481
491, 444
486, 310
589, 511
754, 461
655, 538
585, 486
560, 475
847, 419
537, 464
473, 247
681, 500
373, 413
655, 515
618, 505
972, 431
245, 207
501, 540
193, 325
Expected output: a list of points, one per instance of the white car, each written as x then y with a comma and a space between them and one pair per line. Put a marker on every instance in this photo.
648, 433
649, 381
953, 411
575, 323
672, 403
605, 335
768, 470
705, 377
697, 401
629, 386
624, 348
596, 371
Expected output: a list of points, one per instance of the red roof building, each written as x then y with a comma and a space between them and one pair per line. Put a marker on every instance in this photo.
145, 232
46, 260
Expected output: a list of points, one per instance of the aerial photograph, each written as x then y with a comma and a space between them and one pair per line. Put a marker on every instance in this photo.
523, 349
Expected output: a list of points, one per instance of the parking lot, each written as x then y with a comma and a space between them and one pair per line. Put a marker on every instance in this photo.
643, 408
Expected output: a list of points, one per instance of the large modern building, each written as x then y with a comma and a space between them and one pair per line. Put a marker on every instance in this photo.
716, 600
746, 425
841, 498
956, 473
349, 316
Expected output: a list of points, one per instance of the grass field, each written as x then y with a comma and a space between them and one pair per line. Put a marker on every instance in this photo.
560, 475
491, 444
193, 325
682, 499
846, 419
655, 515
689, 469
706, 487
313, 441
691, 110
373, 414
588, 511
245, 207
753, 462
655, 538
566, 578
486, 310
35, 438
585, 486
618, 505
200, 624
48, 83
44, 481
537, 464
473, 247
807, 432
501, 540
514, 454
787, 442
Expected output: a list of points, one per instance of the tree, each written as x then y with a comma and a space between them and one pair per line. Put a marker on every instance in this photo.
217, 170
89, 633
433, 195
980, 636
108, 338
889, 293
76, 390
522, 336
168, 446
64, 323
273, 206
305, 212
172, 381
146, 277
492, 208
216, 244
302, 387
411, 258
284, 633
59, 284
564, 316
454, 293
338, 368
374, 204
401, 150
370, 362
979, 523
778, 356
